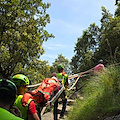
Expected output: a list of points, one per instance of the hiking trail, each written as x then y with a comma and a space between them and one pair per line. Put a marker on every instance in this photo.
49, 115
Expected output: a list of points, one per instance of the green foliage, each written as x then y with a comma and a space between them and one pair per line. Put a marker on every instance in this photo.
22, 33
117, 12
109, 43
36, 71
63, 61
101, 97
85, 47
98, 43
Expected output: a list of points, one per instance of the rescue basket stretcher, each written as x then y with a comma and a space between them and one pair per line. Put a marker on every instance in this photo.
72, 84
46, 93
57, 95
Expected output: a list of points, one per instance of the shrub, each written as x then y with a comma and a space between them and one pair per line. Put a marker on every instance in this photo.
101, 97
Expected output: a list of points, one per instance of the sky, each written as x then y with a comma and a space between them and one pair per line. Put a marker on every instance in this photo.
69, 18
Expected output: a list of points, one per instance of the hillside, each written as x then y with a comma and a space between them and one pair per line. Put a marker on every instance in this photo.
101, 97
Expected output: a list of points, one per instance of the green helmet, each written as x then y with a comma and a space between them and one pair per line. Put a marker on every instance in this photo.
20, 80
60, 67
8, 87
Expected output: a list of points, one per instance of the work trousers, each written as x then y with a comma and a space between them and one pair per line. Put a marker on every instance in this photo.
64, 104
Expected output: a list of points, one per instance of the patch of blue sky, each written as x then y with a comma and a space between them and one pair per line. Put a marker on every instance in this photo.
69, 18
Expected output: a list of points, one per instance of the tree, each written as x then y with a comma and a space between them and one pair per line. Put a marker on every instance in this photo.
109, 46
36, 71
63, 61
22, 33
116, 2
98, 43
117, 11
84, 49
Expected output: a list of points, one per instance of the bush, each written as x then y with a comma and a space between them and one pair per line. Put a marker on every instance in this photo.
101, 97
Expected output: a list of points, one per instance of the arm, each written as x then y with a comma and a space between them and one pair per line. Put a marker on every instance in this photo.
32, 114
33, 117
14, 110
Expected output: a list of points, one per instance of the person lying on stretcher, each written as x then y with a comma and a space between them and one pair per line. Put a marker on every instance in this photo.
45, 92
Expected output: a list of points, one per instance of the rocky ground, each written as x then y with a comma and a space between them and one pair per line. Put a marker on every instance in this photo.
113, 118
49, 115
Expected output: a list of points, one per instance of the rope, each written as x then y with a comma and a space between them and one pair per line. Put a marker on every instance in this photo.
69, 77
29, 86
73, 76
52, 100
78, 75
87, 71
43, 110
73, 84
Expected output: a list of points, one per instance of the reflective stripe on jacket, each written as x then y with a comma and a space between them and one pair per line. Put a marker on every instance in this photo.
24, 110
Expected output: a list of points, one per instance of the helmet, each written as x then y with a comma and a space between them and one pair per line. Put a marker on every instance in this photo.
60, 67
20, 80
8, 87
100, 61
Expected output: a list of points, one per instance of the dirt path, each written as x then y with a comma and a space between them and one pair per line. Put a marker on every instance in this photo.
49, 115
